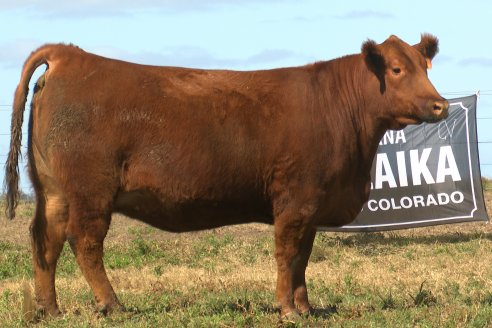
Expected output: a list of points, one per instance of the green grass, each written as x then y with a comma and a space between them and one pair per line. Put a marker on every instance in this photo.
15, 261
432, 277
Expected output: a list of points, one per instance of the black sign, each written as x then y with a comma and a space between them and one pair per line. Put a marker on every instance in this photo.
425, 175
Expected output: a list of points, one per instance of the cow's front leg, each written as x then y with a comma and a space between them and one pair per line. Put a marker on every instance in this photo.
294, 237
299, 282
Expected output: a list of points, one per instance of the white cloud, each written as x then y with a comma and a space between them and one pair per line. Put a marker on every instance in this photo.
364, 14
272, 56
296, 19
442, 59
476, 61
63, 9
193, 56
14, 53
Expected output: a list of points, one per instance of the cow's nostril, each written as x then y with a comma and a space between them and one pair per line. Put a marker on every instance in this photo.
438, 106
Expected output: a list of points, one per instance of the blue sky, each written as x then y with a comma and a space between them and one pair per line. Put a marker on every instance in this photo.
252, 34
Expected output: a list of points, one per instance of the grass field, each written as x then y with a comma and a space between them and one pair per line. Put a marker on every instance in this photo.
428, 277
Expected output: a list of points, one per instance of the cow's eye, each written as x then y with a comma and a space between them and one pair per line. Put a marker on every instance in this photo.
396, 71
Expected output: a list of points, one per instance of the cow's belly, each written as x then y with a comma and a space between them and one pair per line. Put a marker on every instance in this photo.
190, 215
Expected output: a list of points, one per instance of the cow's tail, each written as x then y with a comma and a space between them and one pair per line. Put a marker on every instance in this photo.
11, 182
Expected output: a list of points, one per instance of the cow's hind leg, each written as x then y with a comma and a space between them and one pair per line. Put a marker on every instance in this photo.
47, 237
85, 233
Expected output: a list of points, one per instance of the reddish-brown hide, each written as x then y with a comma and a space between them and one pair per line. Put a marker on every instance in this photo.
188, 149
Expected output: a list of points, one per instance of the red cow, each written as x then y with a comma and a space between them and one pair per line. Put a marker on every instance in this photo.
188, 149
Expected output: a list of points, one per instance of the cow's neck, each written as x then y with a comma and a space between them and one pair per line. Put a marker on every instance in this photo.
346, 83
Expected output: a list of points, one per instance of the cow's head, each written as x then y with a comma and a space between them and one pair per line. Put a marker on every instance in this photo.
401, 71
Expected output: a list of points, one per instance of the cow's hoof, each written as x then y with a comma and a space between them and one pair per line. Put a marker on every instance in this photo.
106, 309
40, 313
54, 313
291, 317
305, 311
34, 310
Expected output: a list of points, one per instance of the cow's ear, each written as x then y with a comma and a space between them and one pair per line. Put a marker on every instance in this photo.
374, 61
428, 47
373, 57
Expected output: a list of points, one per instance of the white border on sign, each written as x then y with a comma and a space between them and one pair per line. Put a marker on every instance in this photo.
347, 227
